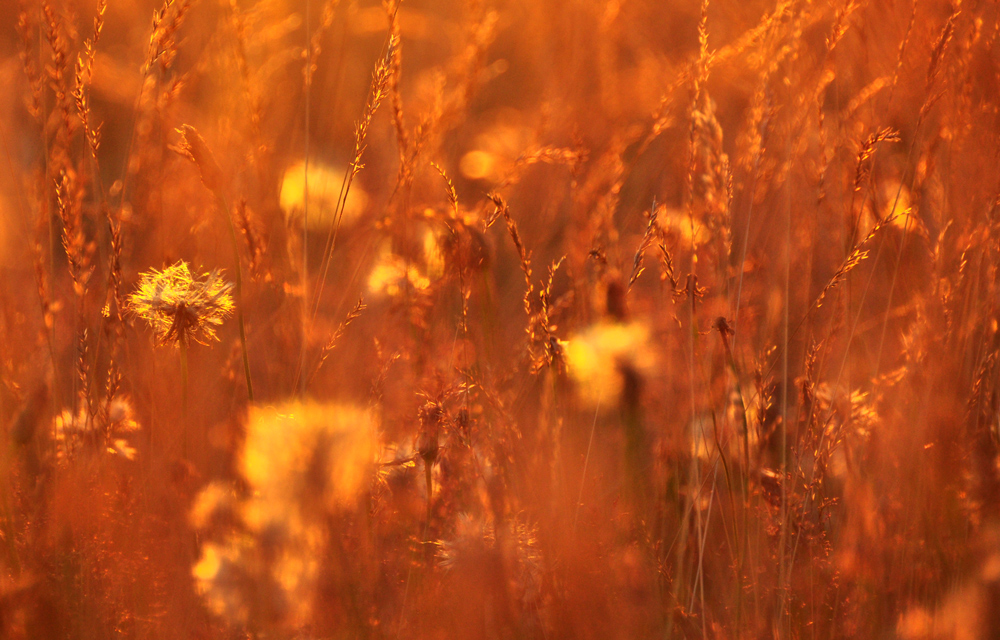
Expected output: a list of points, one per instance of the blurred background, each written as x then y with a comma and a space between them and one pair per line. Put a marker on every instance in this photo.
565, 318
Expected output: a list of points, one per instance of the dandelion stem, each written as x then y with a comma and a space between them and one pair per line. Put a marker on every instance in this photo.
305, 209
429, 478
184, 398
224, 207
586, 461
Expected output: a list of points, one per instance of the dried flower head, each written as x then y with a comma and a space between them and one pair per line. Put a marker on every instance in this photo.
181, 307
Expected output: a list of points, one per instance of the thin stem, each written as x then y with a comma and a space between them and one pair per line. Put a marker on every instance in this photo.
429, 479
224, 207
305, 207
184, 398
586, 461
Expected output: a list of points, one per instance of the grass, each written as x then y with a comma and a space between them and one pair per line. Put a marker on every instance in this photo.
499, 319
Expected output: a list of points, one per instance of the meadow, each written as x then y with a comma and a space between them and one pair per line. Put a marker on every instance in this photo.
497, 319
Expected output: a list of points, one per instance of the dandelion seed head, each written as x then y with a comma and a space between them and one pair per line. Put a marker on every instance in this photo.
181, 307
475, 540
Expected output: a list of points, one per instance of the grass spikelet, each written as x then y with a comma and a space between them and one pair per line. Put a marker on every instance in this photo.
868, 150
501, 210
25, 29
858, 255
941, 46
193, 147
167, 21
452, 195
316, 39
376, 93
252, 238
352, 315
83, 78
647, 241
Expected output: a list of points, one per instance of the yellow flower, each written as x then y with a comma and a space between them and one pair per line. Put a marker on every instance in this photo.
83, 432
181, 307
324, 193
597, 357
302, 462
220, 576
392, 275
311, 452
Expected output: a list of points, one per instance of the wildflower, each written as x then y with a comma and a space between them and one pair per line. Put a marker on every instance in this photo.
392, 275
496, 149
302, 463
215, 502
121, 427
598, 358
220, 576
72, 432
80, 432
181, 307
455, 246
308, 452
478, 543
686, 229
434, 254
324, 194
